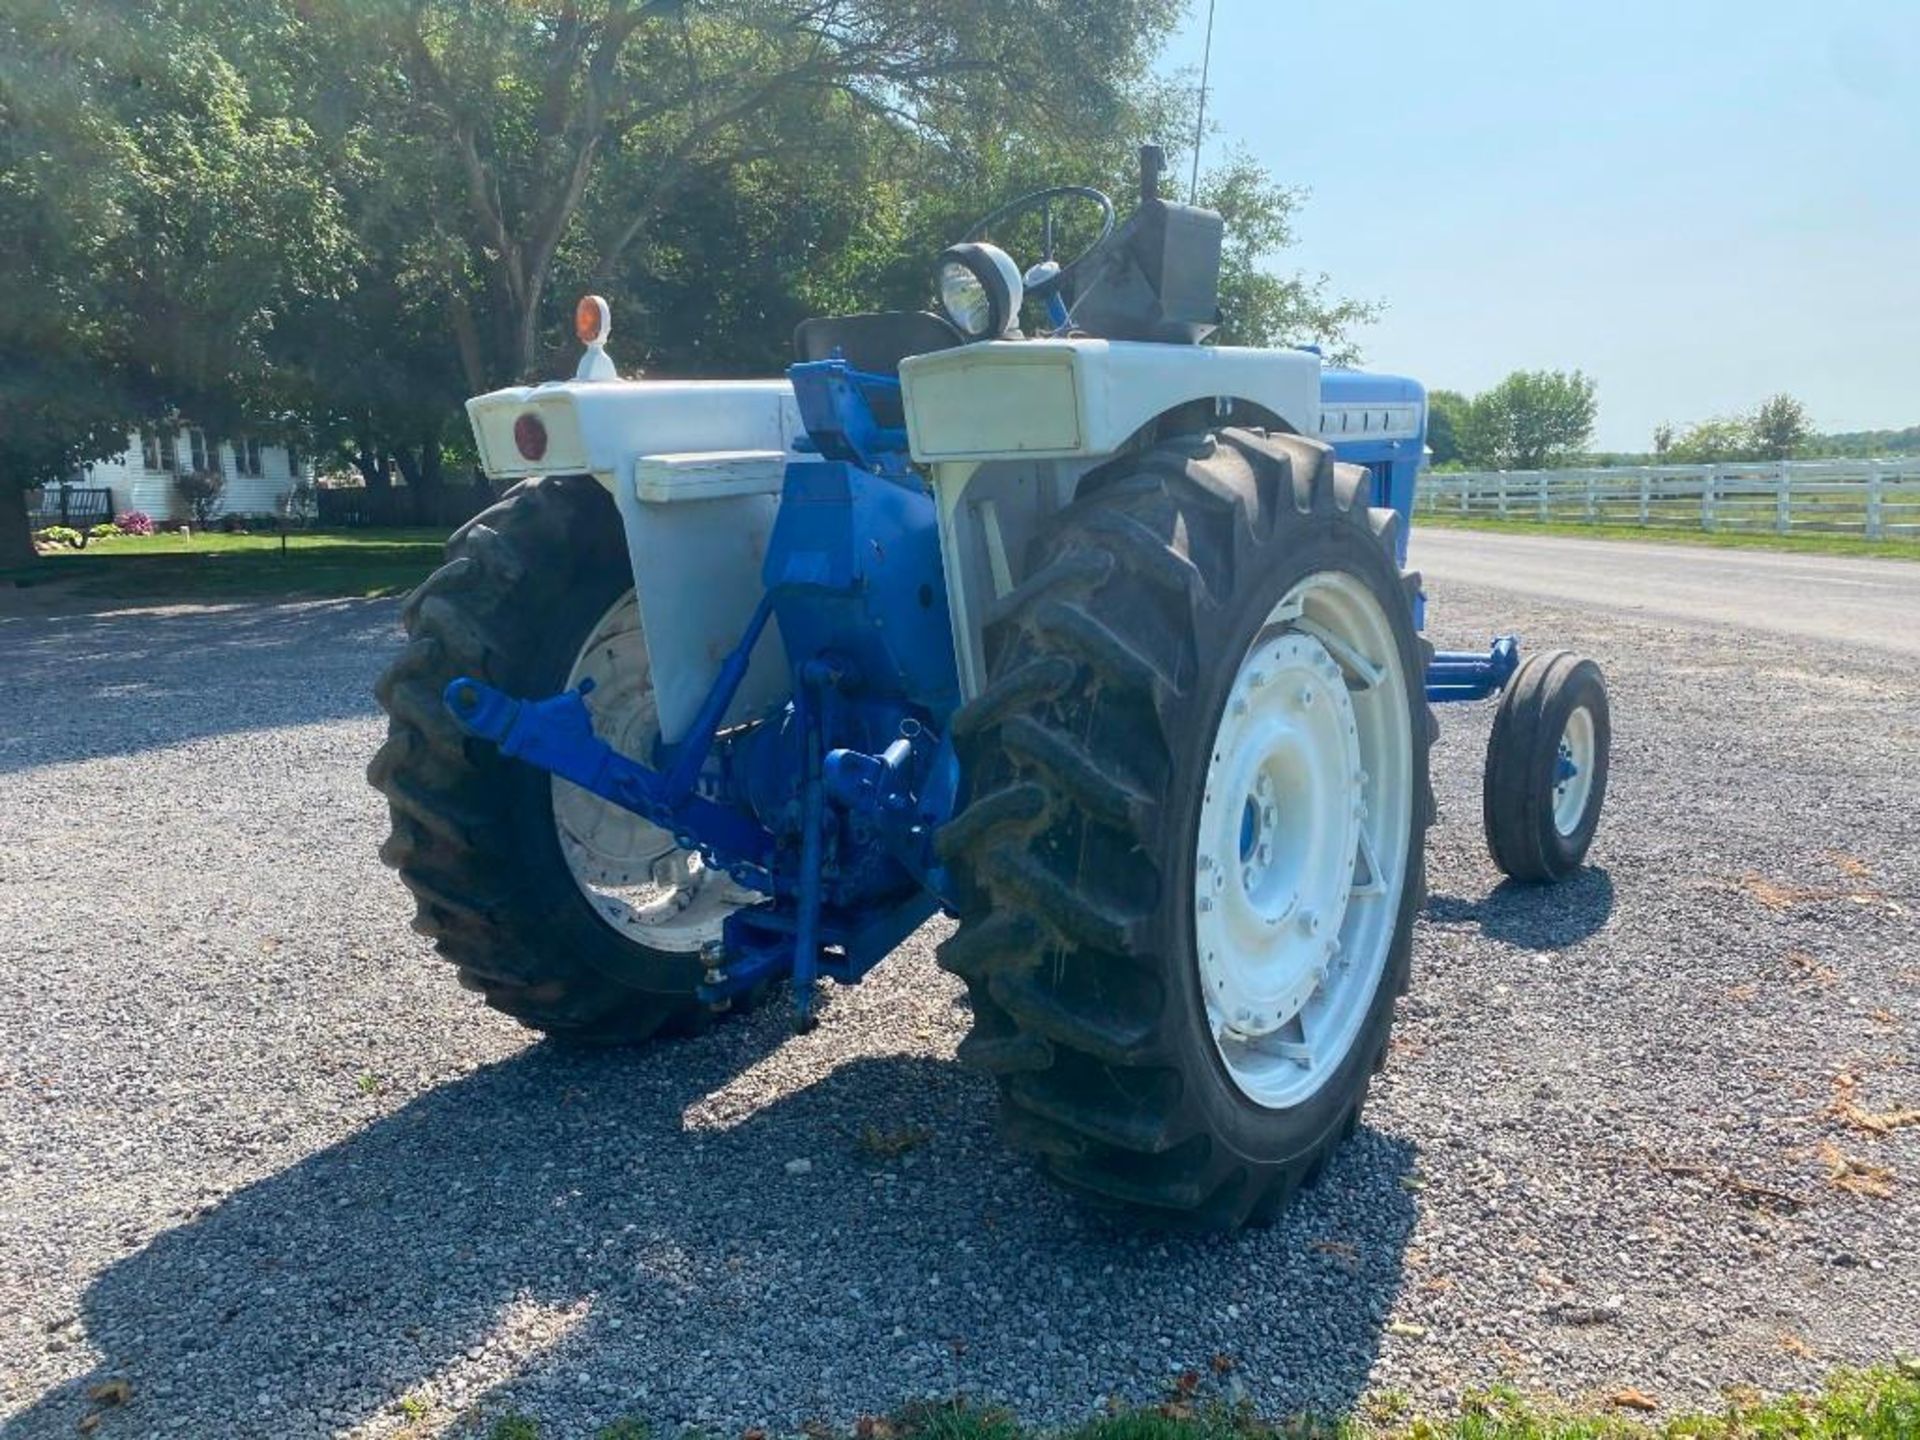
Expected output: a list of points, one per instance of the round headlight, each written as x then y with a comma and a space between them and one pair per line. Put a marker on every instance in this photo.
979, 288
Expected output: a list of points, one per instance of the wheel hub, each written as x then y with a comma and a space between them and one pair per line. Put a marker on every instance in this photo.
1300, 852
1573, 771
1285, 782
637, 879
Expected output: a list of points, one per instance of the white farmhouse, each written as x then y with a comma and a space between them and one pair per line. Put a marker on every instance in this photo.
258, 476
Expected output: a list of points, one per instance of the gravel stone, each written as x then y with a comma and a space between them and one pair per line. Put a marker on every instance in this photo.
261, 1158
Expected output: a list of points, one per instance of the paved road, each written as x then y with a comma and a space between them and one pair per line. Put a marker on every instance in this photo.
1814, 597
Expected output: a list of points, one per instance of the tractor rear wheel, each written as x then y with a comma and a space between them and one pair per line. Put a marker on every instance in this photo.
1195, 846
572, 915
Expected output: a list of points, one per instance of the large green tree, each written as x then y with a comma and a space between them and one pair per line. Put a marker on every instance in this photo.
557, 146
66, 388
720, 170
345, 215
1780, 428
1777, 430
156, 221
1530, 420
1448, 419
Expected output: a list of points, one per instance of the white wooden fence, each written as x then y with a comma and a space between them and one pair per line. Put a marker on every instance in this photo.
1879, 500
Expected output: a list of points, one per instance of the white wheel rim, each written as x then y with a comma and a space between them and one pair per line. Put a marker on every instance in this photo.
1301, 850
638, 881
1573, 771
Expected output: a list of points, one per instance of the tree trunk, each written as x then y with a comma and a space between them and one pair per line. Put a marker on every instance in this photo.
409, 467
376, 470
16, 530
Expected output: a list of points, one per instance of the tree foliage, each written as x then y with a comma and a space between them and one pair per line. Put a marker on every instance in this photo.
153, 221
1261, 306
344, 216
1448, 413
1868, 444
1778, 430
1530, 420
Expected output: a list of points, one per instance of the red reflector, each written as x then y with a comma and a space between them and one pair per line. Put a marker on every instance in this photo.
530, 435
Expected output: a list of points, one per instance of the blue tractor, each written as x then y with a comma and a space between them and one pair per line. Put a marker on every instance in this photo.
1094, 636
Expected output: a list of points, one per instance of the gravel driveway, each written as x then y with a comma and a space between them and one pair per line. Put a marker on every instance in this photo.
264, 1161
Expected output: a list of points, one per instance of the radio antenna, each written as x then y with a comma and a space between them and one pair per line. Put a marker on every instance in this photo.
1200, 120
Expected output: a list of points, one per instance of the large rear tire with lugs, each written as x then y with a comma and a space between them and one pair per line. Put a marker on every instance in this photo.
1194, 848
572, 916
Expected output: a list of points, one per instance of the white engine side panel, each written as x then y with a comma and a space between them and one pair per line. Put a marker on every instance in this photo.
708, 456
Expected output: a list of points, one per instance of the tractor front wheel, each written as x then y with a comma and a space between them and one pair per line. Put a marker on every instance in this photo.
1195, 846
1546, 774
574, 916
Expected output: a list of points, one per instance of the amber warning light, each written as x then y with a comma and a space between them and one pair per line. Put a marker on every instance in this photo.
592, 319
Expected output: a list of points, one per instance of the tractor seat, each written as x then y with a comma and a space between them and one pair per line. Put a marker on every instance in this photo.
874, 343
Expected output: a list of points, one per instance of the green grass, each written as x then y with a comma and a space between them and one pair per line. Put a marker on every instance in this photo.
228, 567
1879, 1404
1801, 543
520, 1427
1882, 1404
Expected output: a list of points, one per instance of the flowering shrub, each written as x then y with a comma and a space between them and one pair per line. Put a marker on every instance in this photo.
136, 522
201, 489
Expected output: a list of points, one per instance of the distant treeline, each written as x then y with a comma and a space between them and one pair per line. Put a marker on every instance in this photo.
1542, 419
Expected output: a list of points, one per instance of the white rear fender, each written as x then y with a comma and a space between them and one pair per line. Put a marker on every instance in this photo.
695, 469
596, 427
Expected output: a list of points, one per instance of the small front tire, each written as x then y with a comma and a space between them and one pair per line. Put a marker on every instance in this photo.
1546, 775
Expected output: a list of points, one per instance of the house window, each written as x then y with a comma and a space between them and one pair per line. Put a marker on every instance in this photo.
149, 450
206, 455
169, 452
246, 457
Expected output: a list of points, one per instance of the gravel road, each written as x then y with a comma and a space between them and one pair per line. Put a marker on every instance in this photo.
262, 1160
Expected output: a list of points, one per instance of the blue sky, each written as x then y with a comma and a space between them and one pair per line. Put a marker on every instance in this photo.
1698, 202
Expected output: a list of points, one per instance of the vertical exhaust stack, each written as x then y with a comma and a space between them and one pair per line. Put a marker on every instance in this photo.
1153, 163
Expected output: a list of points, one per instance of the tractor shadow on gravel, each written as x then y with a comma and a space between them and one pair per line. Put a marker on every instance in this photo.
84, 685
1533, 917
695, 1234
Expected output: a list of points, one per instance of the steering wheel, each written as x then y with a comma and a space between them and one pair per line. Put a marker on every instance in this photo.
1043, 200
